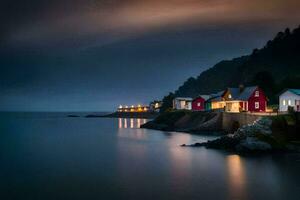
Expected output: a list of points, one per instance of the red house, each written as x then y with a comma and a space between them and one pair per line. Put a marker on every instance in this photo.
198, 104
257, 101
252, 99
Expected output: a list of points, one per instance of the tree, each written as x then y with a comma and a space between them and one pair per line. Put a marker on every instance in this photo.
167, 102
290, 82
265, 81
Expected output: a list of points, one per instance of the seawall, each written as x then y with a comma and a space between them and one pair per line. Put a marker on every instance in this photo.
188, 121
232, 121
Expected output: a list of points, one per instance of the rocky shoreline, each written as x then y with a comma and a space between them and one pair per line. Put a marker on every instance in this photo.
253, 138
186, 121
278, 133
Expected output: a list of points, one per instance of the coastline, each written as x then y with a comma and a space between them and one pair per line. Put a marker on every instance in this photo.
264, 134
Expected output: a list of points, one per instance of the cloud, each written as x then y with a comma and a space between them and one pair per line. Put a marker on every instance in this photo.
88, 22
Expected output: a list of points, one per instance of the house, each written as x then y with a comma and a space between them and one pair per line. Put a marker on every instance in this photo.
249, 99
182, 103
289, 98
198, 103
138, 108
155, 106
216, 101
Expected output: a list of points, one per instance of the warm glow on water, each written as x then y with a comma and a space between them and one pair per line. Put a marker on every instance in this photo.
236, 177
134, 123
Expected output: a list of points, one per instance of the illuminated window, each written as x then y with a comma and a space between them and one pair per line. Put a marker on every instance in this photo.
284, 102
229, 96
257, 93
289, 102
199, 104
256, 105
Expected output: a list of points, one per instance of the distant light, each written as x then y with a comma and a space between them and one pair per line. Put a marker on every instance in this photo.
120, 106
132, 106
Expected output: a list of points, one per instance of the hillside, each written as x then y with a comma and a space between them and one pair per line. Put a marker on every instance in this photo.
274, 67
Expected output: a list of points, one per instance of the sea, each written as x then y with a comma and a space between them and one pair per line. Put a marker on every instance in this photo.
47, 155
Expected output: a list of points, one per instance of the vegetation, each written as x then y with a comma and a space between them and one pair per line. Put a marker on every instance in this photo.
286, 128
273, 68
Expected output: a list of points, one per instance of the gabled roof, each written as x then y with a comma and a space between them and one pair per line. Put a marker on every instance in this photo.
295, 91
247, 92
205, 97
216, 96
235, 94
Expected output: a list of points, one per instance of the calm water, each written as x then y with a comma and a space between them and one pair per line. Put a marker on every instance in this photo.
49, 156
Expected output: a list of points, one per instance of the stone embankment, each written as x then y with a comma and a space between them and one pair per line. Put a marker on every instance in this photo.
254, 137
195, 122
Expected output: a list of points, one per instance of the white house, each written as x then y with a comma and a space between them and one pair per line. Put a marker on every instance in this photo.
289, 98
182, 103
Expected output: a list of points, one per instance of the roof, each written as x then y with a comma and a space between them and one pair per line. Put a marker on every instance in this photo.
216, 96
247, 92
295, 91
235, 94
184, 98
205, 97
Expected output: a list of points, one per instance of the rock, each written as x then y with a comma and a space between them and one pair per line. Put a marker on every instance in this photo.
194, 145
262, 126
249, 138
252, 144
73, 116
93, 116
155, 126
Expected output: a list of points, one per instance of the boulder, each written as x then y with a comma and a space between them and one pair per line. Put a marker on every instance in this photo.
252, 144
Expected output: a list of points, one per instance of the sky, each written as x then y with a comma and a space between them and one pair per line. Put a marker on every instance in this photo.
93, 55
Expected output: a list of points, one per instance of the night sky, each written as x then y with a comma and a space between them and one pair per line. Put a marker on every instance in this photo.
93, 55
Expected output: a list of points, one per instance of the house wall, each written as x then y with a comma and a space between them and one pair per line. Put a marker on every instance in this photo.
218, 105
261, 99
196, 106
234, 106
182, 104
288, 96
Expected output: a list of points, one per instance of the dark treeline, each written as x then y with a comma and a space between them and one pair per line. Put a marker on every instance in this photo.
274, 67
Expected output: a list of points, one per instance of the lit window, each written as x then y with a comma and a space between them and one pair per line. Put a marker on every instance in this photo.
257, 93
256, 105
199, 104
283, 102
289, 102
229, 96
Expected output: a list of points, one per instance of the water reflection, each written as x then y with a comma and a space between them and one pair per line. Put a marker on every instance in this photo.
236, 177
125, 123
130, 123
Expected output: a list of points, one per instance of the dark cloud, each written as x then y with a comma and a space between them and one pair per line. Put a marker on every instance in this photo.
89, 54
